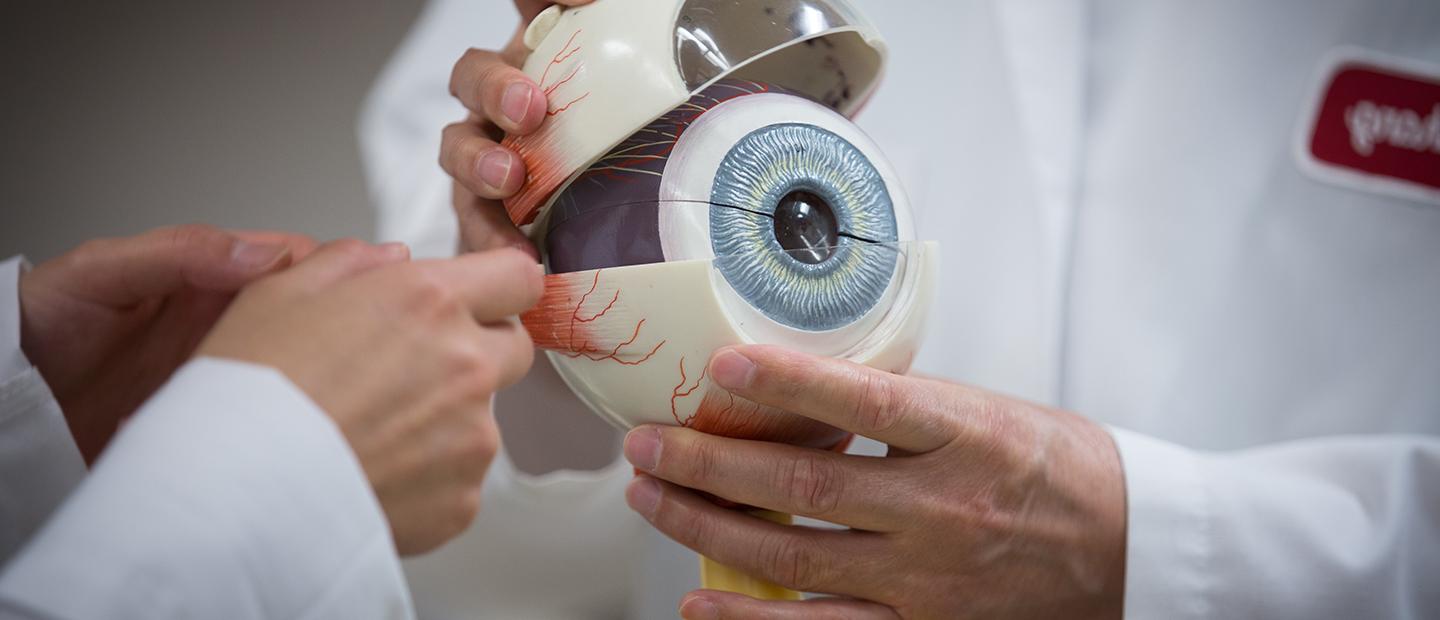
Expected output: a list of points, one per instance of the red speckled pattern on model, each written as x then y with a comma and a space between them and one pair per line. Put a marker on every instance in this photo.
542, 152
583, 318
579, 317
721, 413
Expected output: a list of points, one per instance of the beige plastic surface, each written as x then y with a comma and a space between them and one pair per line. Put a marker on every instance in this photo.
633, 342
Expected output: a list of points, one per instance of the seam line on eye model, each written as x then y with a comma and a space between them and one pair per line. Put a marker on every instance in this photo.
737, 208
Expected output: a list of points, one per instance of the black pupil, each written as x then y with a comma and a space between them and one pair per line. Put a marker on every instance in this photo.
806, 228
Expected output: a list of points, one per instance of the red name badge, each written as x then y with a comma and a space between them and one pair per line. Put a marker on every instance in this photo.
1376, 126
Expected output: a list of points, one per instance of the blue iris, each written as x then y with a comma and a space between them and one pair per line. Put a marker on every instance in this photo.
756, 175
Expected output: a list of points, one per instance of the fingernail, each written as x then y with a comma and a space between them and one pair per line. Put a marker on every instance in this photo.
732, 370
529, 249
396, 250
699, 609
495, 168
515, 105
257, 255
642, 448
643, 495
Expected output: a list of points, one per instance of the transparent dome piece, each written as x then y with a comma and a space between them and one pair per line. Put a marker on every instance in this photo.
823, 48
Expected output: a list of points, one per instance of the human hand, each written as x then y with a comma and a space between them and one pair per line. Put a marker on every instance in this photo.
405, 357
108, 323
502, 100
984, 507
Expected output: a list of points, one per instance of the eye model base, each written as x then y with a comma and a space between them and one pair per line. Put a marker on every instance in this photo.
634, 343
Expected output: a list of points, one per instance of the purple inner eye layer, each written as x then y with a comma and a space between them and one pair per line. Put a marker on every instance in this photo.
609, 216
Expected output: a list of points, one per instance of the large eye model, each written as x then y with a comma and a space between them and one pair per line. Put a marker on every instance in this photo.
794, 205
749, 214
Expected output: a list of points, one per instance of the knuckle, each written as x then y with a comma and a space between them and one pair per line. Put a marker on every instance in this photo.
485, 377
878, 410
349, 247
466, 508
783, 384
488, 442
458, 74
451, 139
523, 339
476, 376
517, 364
185, 233
428, 296
468, 364
188, 237
478, 447
814, 484
694, 531
519, 340
795, 561
696, 460
519, 273
989, 419
493, 74
1021, 446
348, 252
525, 356
88, 253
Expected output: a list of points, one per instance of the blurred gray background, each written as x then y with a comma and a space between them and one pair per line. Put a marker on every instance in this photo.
117, 117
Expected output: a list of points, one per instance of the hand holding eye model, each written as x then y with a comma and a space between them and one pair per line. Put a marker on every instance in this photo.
502, 100
695, 183
985, 507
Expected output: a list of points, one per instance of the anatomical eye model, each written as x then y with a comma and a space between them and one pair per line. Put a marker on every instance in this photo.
698, 185
747, 214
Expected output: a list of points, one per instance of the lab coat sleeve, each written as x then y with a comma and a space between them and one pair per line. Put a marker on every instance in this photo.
1345, 527
228, 495
39, 463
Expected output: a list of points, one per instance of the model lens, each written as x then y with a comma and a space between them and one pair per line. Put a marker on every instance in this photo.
806, 228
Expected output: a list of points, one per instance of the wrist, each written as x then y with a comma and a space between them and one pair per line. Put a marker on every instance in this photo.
1092, 468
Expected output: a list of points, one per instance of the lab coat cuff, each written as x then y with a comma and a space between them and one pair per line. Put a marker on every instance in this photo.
12, 360
1169, 534
39, 463
228, 493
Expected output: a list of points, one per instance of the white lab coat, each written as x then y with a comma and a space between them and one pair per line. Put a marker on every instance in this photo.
228, 495
1127, 234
